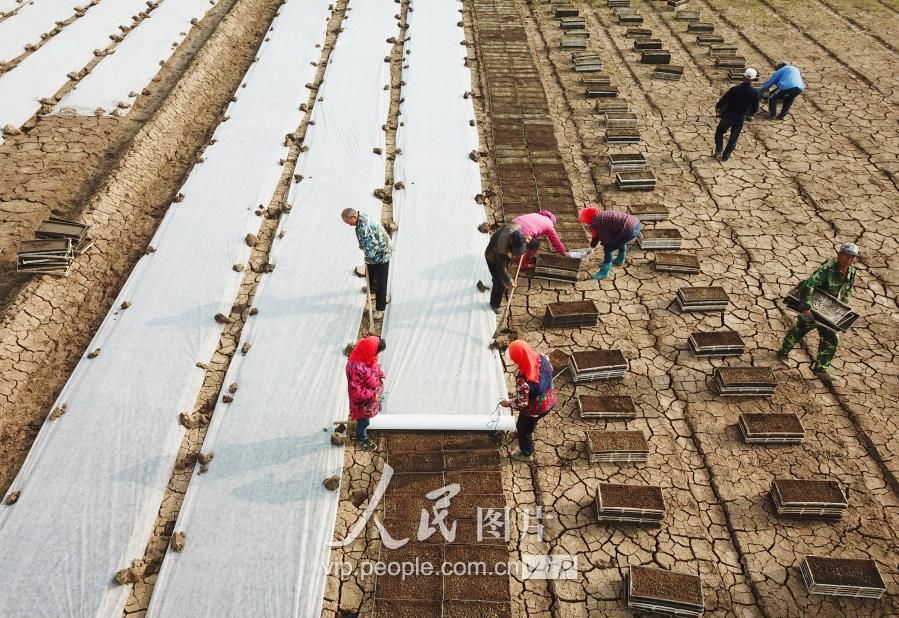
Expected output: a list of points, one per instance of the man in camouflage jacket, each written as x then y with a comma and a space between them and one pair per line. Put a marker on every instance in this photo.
375, 245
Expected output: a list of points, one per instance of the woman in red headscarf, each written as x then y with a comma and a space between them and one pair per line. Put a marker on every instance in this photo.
365, 384
534, 394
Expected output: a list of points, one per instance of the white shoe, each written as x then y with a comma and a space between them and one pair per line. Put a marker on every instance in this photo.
387, 300
377, 315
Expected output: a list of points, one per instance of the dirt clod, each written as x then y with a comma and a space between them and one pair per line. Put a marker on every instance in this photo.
132, 574
221, 318
177, 542
338, 439
332, 482
13, 497
94, 354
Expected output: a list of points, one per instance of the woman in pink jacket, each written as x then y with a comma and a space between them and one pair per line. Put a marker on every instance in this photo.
365, 384
534, 226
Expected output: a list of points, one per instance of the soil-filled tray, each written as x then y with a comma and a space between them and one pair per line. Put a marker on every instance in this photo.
655, 56
587, 366
559, 360
701, 27
716, 343
677, 263
572, 23
612, 105
622, 136
719, 49
607, 407
630, 19
557, 268
773, 428
827, 310
566, 10
634, 504
672, 72
617, 446
596, 80
842, 577
635, 181
624, 10
712, 298
676, 3
573, 42
709, 39
629, 162
588, 66
571, 314
649, 212
616, 3
688, 16
730, 62
660, 590
808, 498
659, 238
745, 381
600, 92
638, 33
641, 44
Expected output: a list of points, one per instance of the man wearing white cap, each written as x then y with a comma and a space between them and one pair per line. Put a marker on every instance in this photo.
834, 277
734, 107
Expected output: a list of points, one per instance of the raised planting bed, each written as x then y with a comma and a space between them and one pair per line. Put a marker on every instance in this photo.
634, 181
617, 447
809, 499
666, 592
844, 577
772, 428
655, 56
745, 381
576, 314
649, 212
626, 162
611, 407
591, 365
612, 105
677, 263
623, 136
631, 504
712, 298
659, 239
827, 310
556, 268
716, 343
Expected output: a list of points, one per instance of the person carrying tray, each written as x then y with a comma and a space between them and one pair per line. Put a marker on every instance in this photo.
834, 277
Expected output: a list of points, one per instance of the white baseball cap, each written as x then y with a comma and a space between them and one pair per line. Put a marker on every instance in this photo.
750, 73
849, 248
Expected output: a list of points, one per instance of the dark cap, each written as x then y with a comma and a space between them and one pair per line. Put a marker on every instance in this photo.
516, 242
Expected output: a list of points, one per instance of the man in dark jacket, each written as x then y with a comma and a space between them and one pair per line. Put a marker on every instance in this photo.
507, 242
734, 107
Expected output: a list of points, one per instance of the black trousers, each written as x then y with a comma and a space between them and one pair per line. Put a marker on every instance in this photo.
498, 289
377, 279
525, 426
787, 97
732, 123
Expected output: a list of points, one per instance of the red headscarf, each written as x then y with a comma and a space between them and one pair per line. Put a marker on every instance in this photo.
527, 360
366, 351
586, 215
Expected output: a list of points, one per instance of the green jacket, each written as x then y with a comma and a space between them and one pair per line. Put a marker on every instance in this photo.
373, 240
830, 280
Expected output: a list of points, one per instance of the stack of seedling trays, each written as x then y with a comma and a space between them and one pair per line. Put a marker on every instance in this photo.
730, 62
635, 181
647, 43
716, 343
617, 447
623, 136
626, 161
827, 310
576, 314
637, 33
566, 10
659, 239
600, 92
670, 72
618, 3
630, 18
55, 228
572, 41
745, 381
771, 428
618, 11
630, 504
709, 39
699, 27
608, 407
586, 62
655, 56
45, 257
621, 120
592, 365
611, 105
688, 15
809, 499
712, 298
557, 268
842, 577
677, 263
722, 50
573, 23
596, 80
665, 592
649, 212
675, 4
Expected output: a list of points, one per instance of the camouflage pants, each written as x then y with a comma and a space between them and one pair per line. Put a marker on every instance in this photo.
828, 343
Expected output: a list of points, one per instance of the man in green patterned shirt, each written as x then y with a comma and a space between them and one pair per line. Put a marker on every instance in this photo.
834, 277
375, 245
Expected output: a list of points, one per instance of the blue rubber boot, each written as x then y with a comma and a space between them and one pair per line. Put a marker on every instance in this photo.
603, 272
622, 254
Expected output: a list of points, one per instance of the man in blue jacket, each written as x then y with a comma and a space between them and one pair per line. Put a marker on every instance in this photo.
789, 86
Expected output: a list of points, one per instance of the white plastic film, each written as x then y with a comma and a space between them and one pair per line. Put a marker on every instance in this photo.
259, 522
93, 482
438, 326
8, 6
30, 23
136, 60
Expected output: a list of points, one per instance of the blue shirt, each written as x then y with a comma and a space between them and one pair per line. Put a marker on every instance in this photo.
784, 78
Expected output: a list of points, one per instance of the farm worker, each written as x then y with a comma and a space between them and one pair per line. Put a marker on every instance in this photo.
375, 245
534, 394
614, 230
734, 107
365, 384
506, 243
834, 277
789, 86
534, 226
